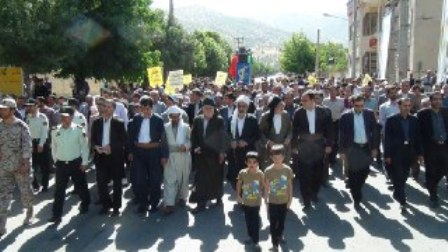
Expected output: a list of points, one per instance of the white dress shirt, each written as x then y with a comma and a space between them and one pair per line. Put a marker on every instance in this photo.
359, 128
277, 123
311, 115
106, 132
240, 123
122, 112
144, 134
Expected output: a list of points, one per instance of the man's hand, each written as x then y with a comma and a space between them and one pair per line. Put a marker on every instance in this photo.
242, 144
83, 168
233, 144
287, 142
107, 150
197, 150
328, 150
183, 148
420, 159
98, 149
40, 148
374, 153
222, 157
163, 161
388, 160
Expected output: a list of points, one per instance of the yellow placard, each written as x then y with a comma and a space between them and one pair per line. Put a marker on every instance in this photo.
312, 80
366, 80
11, 80
188, 79
155, 76
221, 78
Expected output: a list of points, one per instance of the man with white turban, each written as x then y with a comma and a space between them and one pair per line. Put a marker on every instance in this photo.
243, 129
177, 171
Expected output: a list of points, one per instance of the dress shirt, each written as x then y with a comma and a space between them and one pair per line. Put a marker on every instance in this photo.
438, 126
144, 135
311, 115
106, 131
70, 143
240, 125
359, 128
387, 110
405, 127
336, 107
122, 112
205, 126
38, 126
277, 123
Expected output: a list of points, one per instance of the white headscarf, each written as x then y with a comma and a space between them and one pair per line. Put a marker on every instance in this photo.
180, 137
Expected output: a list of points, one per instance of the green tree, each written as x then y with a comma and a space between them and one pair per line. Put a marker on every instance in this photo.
333, 58
86, 38
261, 69
216, 50
298, 54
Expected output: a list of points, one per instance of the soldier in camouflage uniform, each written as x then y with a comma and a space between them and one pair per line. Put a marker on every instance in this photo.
15, 162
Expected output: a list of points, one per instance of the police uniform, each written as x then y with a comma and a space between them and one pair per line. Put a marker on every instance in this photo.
80, 119
15, 148
38, 126
70, 150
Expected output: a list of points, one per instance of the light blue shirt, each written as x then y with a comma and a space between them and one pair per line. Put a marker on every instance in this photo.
388, 109
359, 128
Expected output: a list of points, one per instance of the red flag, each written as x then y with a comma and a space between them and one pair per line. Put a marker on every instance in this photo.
233, 65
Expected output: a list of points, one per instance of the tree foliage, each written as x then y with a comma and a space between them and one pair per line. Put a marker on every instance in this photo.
260, 68
298, 54
216, 51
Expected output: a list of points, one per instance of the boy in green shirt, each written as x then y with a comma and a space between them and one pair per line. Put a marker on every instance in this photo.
278, 181
249, 190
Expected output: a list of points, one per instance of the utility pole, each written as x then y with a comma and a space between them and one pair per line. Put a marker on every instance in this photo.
239, 41
354, 36
403, 48
171, 13
316, 67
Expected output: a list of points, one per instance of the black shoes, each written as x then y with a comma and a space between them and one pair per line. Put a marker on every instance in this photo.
55, 220
84, 209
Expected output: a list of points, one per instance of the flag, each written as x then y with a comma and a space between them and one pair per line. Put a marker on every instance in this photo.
233, 66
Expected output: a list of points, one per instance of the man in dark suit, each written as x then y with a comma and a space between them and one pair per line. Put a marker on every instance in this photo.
402, 146
195, 105
359, 140
148, 154
313, 136
227, 111
209, 143
108, 139
244, 132
434, 130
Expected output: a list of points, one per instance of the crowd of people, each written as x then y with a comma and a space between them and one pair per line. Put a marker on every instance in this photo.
257, 137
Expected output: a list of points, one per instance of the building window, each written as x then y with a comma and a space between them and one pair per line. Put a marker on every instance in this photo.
370, 24
370, 62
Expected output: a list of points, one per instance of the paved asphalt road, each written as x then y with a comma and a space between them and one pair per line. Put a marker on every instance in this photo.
332, 225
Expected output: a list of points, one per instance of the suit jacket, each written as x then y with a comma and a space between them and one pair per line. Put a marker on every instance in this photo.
425, 123
118, 136
347, 130
394, 135
190, 111
323, 125
214, 141
285, 130
250, 133
224, 112
156, 129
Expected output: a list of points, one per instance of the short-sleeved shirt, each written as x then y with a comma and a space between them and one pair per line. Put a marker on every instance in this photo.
251, 187
278, 183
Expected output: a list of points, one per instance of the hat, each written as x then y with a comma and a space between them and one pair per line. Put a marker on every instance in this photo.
174, 110
208, 102
8, 103
173, 98
66, 111
197, 90
31, 102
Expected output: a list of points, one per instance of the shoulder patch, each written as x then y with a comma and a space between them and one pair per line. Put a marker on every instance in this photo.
79, 126
45, 123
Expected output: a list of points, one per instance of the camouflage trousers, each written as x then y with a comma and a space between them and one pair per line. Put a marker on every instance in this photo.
8, 180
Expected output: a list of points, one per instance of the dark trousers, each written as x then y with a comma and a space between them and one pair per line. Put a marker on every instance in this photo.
400, 169
436, 162
109, 168
310, 169
277, 216
359, 160
334, 150
252, 215
148, 176
65, 171
40, 163
356, 179
236, 162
